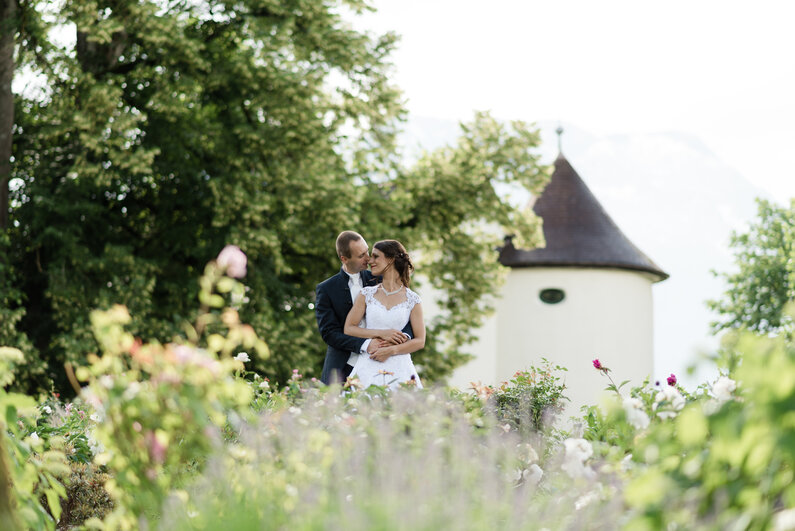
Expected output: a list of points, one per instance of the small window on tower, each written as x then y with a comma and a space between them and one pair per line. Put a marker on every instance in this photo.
551, 295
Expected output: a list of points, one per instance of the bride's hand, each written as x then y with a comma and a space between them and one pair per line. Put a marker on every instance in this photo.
394, 337
382, 354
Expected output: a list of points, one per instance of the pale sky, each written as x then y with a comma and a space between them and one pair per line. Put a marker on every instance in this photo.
722, 71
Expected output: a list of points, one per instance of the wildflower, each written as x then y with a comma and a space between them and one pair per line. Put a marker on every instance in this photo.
353, 383
386, 372
34, 436
671, 379
94, 445
233, 260
132, 390
264, 384
785, 519
636, 416
68, 408
94, 417
157, 441
577, 452
585, 500
243, 357
482, 391
47, 409
598, 365
723, 389
671, 396
534, 474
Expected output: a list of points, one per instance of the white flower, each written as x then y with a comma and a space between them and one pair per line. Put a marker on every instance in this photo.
723, 389
578, 449
233, 260
94, 417
635, 413
673, 398
577, 452
34, 436
132, 390
784, 520
534, 474
264, 385
243, 357
585, 500
95, 446
47, 409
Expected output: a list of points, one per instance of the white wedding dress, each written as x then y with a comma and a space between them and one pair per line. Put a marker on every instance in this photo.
379, 317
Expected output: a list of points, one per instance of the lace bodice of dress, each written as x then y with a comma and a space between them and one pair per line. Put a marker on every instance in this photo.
378, 317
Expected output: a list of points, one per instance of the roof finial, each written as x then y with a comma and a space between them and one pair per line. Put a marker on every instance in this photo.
559, 131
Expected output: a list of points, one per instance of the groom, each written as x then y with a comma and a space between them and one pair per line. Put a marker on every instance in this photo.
334, 299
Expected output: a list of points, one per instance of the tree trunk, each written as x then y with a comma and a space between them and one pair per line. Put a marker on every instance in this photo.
8, 14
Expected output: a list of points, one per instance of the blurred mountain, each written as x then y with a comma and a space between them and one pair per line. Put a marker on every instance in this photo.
673, 198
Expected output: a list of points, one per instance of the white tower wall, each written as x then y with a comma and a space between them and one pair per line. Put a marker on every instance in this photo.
606, 314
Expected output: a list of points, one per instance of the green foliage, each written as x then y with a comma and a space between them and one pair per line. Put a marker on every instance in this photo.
12, 310
725, 462
30, 468
765, 278
532, 399
86, 496
161, 407
171, 130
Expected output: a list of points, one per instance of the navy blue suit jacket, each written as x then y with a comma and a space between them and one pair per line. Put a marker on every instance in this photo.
332, 304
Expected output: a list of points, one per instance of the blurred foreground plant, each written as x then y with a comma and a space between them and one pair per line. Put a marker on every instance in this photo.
373, 459
161, 407
30, 484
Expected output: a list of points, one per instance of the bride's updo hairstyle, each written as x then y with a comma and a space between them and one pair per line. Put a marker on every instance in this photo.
402, 264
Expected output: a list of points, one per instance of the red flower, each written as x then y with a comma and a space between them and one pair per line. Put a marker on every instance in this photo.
597, 364
671, 379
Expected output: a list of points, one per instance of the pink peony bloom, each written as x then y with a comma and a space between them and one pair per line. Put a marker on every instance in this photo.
233, 260
671, 379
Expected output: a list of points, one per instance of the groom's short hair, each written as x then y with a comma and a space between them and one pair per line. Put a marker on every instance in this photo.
344, 242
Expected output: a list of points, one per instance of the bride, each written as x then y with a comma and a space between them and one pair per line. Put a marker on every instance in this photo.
381, 312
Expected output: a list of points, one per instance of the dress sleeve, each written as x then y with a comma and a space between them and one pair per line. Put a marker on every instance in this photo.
369, 292
412, 297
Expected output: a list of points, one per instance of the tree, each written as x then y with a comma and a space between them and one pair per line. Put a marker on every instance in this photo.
172, 129
22, 32
8, 18
764, 282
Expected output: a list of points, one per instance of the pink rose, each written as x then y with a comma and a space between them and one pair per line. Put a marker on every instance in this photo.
233, 261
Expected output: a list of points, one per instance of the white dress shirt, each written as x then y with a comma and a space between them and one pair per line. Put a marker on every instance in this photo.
355, 285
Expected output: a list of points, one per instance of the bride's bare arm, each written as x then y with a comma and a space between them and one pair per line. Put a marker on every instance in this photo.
355, 316
412, 345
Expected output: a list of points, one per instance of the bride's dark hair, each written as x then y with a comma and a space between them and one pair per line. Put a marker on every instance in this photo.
402, 264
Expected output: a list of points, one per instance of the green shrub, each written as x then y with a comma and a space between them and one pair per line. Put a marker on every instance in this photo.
532, 399
86, 496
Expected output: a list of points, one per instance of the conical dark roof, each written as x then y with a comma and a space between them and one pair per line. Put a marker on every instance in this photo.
578, 231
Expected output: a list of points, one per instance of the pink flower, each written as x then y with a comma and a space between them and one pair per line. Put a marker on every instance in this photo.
233, 260
671, 379
598, 365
